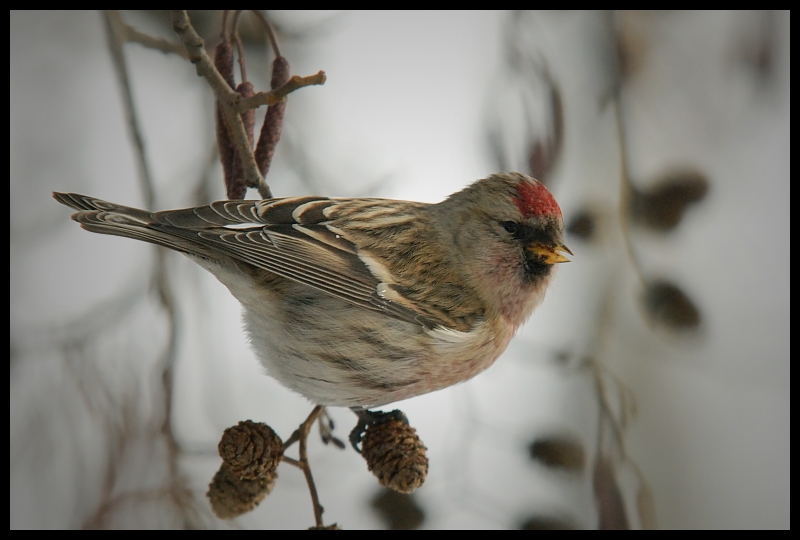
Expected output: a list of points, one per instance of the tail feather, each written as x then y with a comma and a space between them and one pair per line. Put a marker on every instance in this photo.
84, 203
103, 217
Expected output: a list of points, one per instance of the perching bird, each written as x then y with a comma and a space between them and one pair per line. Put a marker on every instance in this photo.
363, 302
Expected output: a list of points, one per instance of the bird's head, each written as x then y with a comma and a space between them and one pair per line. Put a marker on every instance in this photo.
507, 230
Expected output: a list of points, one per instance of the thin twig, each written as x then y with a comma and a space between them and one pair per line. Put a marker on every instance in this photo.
231, 102
225, 34
301, 435
292, 462
626, 187
598, 345
116, 34
610, 426
305, 427
238, 42
274, 96
227, 97
115, 27
291, 440
270, 31
607, 412
132, 35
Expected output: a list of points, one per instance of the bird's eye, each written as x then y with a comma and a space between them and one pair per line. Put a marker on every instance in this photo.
510, 227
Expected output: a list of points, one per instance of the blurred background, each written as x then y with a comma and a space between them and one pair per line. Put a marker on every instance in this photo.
651, 389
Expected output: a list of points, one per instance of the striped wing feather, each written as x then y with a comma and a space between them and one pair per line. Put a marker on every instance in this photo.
289, 237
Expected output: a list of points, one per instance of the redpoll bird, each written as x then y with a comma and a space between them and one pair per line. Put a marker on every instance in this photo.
362, 302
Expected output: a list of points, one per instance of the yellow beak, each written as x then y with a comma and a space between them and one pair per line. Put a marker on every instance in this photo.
550, 254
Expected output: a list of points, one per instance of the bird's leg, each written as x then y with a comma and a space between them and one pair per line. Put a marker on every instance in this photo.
326, 430
368, 418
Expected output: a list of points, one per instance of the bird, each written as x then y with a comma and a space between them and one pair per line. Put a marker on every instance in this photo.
362, 302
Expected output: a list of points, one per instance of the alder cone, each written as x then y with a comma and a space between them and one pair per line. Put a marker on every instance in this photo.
230, 496
396, 455
251, 450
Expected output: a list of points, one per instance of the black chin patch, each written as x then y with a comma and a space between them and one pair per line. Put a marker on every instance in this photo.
543, 233
536, 269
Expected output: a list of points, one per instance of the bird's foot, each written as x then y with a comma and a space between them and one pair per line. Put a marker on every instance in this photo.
368, 418
326, 430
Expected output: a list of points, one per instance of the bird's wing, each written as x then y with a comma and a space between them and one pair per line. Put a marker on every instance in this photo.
292, 237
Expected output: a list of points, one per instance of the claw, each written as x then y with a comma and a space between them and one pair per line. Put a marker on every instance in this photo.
326, 430
368, 418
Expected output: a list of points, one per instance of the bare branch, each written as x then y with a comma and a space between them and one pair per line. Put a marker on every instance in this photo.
116, 34
239, 47
270, 32
132, 35
232, 102
301, 435
273, 97
227, 97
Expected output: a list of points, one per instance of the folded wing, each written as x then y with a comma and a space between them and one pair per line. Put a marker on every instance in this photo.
289, 237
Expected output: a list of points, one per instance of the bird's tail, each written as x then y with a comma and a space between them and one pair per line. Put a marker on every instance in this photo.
103, 217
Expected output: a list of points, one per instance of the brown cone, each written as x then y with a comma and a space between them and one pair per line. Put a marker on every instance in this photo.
395, 455
231, 497
251, 450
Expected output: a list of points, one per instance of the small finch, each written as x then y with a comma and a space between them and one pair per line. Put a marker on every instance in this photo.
363, 302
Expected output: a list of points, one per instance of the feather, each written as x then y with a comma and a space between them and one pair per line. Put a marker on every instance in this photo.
292, 238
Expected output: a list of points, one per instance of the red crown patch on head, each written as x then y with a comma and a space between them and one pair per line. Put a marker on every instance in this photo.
533, 199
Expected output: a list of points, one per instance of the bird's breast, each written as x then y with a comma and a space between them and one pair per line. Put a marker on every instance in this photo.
459, 356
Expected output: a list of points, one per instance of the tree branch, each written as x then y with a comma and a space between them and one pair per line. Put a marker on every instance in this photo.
275, 96
132, 35
301, 435
227, 97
